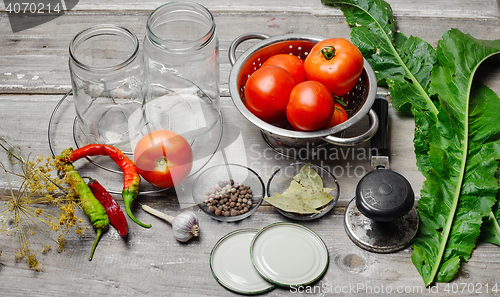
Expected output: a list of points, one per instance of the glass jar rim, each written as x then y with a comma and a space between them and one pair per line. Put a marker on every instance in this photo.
180, 45
103, 29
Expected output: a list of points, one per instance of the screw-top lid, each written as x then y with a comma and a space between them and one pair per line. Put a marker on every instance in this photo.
384, 195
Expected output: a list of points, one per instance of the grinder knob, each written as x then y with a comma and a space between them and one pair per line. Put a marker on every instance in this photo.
384, 195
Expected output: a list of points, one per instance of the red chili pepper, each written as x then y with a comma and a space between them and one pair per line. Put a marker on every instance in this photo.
131, 177
115, 214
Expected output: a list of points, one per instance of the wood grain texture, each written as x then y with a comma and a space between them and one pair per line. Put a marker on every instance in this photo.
35, 60
152, 262
453, 8
34, 76
240, 138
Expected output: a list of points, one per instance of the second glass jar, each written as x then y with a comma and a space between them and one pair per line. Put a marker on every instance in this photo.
181, 69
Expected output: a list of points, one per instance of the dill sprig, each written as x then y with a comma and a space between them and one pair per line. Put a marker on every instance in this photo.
42, 208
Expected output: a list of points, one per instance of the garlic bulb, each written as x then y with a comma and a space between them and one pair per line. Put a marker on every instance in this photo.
184, 226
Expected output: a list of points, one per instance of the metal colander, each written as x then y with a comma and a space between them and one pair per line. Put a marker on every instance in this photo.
359, 100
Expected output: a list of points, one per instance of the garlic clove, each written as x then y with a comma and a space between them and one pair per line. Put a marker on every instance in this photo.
195, 230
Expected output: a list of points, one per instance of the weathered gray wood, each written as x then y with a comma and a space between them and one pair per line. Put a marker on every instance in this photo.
152, 262
35, 60
455, 8
34, 75
348, 164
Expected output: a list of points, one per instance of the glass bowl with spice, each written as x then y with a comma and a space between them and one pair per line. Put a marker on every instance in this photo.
228, 192
303, 191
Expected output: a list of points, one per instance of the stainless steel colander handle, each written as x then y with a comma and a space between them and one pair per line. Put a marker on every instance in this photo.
352, 141
240, 39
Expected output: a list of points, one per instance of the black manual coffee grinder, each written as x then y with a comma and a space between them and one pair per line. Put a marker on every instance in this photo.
381, 218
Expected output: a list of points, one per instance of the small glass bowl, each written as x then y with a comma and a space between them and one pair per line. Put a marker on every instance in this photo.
210, 177
281, 179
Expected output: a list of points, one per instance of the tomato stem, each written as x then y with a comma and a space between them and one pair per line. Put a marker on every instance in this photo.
340, 101
162, 164
328, 52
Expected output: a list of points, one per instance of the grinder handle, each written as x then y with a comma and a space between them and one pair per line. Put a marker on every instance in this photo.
380, 141
384, 195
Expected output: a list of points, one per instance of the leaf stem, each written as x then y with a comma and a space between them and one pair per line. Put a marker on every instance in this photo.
432, 106
458, 188
328, 52
10, 152
454, 205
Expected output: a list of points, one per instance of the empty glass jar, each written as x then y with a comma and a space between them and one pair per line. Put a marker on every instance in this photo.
107, 78
181, 69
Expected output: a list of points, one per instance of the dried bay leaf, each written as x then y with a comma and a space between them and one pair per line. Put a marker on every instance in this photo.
328, 190
294, 186
317, 199
305, 195
309, 178
291, 204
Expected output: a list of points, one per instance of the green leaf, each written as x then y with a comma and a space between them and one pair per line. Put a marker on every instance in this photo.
403, 63
423, 122
487, 109
455, 136
490, 230
461, 185
448, 270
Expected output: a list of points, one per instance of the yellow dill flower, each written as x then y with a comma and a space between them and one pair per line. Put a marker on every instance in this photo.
42, 208
61, 242
39, 211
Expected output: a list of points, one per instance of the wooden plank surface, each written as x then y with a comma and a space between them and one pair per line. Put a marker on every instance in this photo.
35, 60
34, 76
452, 8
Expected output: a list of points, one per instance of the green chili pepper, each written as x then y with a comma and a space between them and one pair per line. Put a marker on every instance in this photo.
93, 209
131, 177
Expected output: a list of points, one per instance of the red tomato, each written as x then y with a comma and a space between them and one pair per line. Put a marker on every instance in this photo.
293, 64
336, 63
267, 91
339, 116
310, 106
163, 158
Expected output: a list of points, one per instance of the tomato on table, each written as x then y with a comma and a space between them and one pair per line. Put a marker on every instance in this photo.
310, 107
163, 158
293, 64
339, 116
266, 93
336, 63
